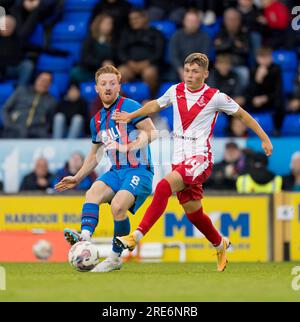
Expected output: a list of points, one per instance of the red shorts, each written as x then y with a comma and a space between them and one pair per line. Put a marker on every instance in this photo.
194, 172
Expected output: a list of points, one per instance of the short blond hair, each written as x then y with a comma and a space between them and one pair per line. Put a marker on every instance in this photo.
108, 69
197, 58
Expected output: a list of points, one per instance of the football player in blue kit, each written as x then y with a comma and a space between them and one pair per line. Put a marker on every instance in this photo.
129, 181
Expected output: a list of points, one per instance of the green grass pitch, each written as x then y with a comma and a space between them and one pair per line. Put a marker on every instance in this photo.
151, 282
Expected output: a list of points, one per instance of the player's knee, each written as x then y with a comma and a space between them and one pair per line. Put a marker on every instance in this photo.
118, 211
94, 196
164, 188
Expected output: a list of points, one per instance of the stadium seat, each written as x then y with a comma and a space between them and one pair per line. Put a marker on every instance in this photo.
61, 80
138, 91
266, 122
69, 31
286, 59
166, 27
137, 3
72, 47
6, 89
38, 36
291, 125
53, 63
213, 29
163, 88
221, 125
76, 16
54, 91
288, 79
87, 91
79, 5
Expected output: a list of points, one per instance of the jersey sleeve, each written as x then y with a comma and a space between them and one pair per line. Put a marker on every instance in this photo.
166, 99
131, 106
226, 104
94, 134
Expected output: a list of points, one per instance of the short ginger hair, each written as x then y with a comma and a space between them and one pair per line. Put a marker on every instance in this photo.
197, 58
108, 69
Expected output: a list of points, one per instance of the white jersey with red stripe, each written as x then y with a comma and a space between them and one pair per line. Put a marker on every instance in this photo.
194, 117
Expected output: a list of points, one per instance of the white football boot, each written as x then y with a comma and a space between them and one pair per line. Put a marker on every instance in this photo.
108, 265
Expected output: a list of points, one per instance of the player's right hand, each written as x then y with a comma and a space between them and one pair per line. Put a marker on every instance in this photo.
66, 183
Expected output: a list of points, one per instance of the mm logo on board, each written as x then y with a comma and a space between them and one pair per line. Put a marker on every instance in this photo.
228, 223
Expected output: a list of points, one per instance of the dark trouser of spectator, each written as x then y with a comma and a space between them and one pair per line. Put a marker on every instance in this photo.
80, 74
22, 72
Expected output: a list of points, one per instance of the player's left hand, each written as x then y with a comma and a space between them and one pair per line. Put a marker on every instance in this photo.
267, 147
121, 117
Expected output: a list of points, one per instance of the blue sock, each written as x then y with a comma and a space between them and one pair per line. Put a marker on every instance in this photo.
90, 216
122, 228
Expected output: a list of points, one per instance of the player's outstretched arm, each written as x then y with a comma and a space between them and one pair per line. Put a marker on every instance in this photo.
90, 163
148, 108
251, 123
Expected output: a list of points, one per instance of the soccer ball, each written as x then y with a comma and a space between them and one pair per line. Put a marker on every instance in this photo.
83, 256
42, 249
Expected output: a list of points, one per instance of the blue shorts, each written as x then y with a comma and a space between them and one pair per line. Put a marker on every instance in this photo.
138, 181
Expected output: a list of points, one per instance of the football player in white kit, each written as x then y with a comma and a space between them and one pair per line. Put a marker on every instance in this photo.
195, 108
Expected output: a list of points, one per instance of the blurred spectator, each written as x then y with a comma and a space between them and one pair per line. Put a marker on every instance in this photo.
97, 49
237, 128
251, 16
165, 9
28, 112
141, 50
118, 9
265, 90
12, 61
39, 178
71, 168
208, 8
291, 182
225, 173
187, 40
234, 41
71, 116
7, 4
225, 79
277, 18
259, 179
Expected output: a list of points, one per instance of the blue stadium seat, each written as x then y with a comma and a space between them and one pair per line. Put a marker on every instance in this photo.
137, 3
138, 91
69, 31
287, 60
213, 29
291, 125
87, 91
53, 63
80, 5
288, 79
266, 122
77, 16
38, 36
61, 80
72, 47
163, 88
6, 89
54, 91
221, 125
166, 27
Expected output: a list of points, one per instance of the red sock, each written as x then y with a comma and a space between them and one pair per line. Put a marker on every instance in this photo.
158, 205
205, 226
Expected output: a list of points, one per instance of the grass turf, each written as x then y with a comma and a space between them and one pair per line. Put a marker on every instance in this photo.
151, 282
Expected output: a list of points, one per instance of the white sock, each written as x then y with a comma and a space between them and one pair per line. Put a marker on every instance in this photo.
114, 255
86, 235
219, 247
138, 235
